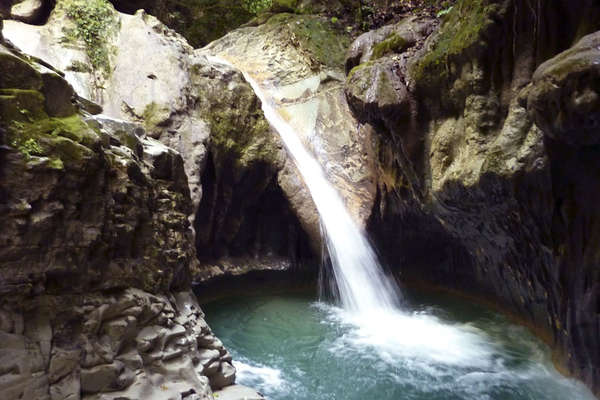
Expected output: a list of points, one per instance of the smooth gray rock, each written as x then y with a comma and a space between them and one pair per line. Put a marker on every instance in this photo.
238, 392
224, 376
28, 11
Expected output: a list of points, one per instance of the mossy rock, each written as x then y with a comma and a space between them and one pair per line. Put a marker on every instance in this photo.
318, 35
67, 139
154, 115
17, 73
241, 142
392, 44
21, 105
463, 32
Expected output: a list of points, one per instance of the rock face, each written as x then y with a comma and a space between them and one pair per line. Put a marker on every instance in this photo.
206, 112
300, 59
29, 11
245, 190
244, 221
564, 98
96, 253
488, 164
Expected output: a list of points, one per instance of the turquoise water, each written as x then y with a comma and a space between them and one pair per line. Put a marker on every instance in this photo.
291, 347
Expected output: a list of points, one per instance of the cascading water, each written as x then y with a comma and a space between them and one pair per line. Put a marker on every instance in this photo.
361, 282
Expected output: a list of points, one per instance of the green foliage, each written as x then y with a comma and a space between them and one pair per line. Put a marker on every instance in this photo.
95, 22
443, 12
257, 6
78, 66
392, 44
334, 20
202, 21
26, 146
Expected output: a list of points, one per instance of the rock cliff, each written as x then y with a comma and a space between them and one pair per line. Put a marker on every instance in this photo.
96, 253
488, 164
205, 111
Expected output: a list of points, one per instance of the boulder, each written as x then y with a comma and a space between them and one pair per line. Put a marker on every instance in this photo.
564, 99
238, 392
28, 11
224, 376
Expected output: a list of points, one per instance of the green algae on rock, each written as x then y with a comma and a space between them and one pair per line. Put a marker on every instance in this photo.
392, 44
462, 33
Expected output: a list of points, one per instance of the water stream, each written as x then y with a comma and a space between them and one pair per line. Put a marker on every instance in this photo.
361, 283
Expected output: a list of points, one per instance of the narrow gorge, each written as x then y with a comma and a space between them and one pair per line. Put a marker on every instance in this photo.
299, 199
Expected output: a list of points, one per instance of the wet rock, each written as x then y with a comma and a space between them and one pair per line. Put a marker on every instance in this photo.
564, 98
307, 85
238, 392
225, 376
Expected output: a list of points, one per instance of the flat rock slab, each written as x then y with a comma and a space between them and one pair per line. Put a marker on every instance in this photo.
237, 392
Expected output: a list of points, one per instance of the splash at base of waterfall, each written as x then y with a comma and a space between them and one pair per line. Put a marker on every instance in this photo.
291, 348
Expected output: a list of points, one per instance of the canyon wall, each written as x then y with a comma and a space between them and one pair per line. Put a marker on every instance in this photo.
96, 252
488, 160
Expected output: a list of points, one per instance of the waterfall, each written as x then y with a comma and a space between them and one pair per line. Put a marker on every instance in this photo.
361, 282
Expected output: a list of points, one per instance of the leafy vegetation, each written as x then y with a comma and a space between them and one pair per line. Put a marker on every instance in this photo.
443, 12
257, 6
95, 22
26, 146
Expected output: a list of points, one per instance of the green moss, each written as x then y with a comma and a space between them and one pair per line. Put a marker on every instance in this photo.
359, 67
240, 142
153, 116
56, 163
95, 22
463, 29
18, 73
63, 140
318, 35
21, 105
392, 44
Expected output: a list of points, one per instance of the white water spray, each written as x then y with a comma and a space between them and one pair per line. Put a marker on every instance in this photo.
361, 283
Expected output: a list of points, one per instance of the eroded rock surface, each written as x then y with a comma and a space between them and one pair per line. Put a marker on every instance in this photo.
488, 164
96, 253
298, 61
205, 111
